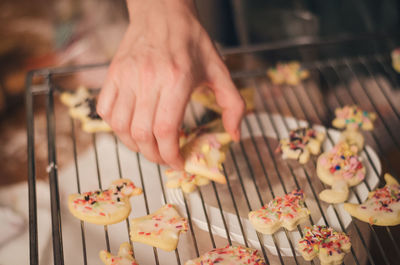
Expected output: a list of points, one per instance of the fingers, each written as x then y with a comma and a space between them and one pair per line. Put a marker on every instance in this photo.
142, 127
229, 99
169, 116
106, 100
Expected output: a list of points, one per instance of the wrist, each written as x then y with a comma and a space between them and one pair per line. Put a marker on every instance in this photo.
144, 6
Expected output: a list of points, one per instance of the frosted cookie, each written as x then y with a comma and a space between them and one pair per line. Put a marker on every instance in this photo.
340, 168
124, 257
204, 155
396, 59
105, 207
289, 73
82, 106
382, 206
352, 137
160, 229
287, 211
229, 255
322, 241
205, 96
301, 143
186, 181
353, 117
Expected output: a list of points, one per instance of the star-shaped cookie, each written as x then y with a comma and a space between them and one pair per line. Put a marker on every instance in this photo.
289, 73
301, 143
287, 211
124, 256
229, 255
322, 241
382, 206
353, 118
160, 229
104, 207
186, 181
340, 168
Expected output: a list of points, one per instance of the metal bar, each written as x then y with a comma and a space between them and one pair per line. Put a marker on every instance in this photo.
53, 178
96, 155
145, 200
33, 231
78, 184
240, 21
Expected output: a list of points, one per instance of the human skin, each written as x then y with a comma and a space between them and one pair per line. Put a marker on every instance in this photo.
164, 55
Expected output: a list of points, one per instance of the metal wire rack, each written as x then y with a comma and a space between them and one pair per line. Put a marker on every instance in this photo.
255, 174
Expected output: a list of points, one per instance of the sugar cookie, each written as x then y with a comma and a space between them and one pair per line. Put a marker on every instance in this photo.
203, 155
396, 59
287, 211
301, 143
382, 206
160, 229
322, 241
353, 117
352, 137
186, 181
289, 73
205, 96
340, 168
229, 256
124, 256
105, 207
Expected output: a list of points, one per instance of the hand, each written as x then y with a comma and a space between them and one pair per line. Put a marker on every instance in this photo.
163, 56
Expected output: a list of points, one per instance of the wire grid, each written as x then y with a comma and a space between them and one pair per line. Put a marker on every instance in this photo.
331, 73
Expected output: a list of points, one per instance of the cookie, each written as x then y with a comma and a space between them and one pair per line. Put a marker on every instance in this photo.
287, 211
352, 137
289, 73
229, 255
301, 143
204, 155
205, 96
124, 257
322, 241
382, 206
340, 168
160, 229
353, 117
396, 59
82, 106
186, 181
105, 207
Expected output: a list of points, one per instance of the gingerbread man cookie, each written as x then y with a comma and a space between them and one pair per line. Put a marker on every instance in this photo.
205, 96
353, 118
82, 106
340, 168
382, 206
186, 181
322, 241
396, 59
160, 229
124, 257
229, 255
204, 156
104, 207
301, 143
287, 211
289, 73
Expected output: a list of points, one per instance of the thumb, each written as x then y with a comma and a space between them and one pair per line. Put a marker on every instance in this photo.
229, 99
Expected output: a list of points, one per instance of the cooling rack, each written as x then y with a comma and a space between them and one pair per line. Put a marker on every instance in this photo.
255, 174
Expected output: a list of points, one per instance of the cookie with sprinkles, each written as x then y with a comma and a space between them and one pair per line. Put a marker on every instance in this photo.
104, 207
82, 106
229, 255
353, 118
341, 168
287, 211
382, 206
204, 155
186, 181
124, 257
301, 143
325, 243
289, 73
160, 229
352, 137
